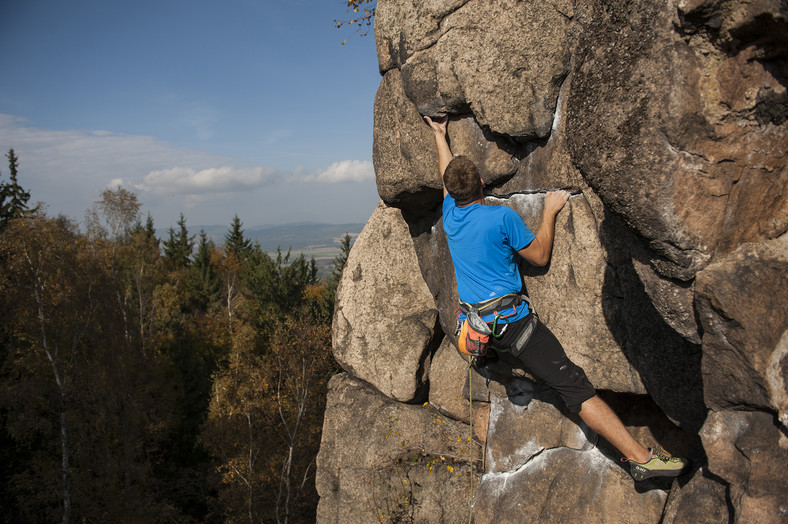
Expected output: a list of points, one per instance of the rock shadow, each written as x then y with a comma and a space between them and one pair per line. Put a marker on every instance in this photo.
644, 419
668, 364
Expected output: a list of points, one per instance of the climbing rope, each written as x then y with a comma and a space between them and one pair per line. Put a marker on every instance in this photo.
470, 439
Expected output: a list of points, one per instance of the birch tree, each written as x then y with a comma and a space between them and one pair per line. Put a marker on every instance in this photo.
301, 364
86, 409
236, 432
53, 316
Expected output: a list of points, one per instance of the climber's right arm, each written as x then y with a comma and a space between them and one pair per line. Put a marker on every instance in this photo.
538, 252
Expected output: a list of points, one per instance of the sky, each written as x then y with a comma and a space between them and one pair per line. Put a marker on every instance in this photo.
206, 108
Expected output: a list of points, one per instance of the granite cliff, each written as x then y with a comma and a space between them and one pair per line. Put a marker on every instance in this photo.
667, 123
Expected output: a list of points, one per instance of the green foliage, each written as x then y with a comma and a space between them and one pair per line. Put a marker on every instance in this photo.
339, 266
265, 418
150, 230
204, 285
88, 408
178, 247
13, 199
277, 285
141, 269
234, 241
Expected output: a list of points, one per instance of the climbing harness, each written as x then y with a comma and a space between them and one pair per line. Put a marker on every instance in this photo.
492, 305
473, 333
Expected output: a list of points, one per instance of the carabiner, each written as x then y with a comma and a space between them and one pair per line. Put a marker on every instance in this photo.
495, 324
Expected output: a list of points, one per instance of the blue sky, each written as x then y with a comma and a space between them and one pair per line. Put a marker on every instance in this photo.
206, 108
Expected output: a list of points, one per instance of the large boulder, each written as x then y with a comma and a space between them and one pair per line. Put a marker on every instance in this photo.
528, 421
406, 168
449, 379
777, 379
404, 155
545, 164
494, 155
741, 303
402, 28
568, 296
702, 499
566, 485
667, 362
634, 83
414, 464
748, 451
675, 129
384, 312
503, 60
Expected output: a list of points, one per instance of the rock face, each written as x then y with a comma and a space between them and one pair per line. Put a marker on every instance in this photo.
563, 485
386, 313
668, 123
414, 464
502, 60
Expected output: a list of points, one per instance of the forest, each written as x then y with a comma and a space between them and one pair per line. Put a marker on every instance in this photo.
156, 380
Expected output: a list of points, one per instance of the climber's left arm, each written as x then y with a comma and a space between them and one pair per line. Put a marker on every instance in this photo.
444, 151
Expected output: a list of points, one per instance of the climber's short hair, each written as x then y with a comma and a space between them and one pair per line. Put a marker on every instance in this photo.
462, 180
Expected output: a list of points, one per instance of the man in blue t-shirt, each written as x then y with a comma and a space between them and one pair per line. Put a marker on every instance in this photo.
485, 242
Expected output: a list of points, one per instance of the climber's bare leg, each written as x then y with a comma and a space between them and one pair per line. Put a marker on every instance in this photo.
600, 418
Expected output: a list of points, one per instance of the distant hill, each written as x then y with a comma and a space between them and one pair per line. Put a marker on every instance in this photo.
313, 239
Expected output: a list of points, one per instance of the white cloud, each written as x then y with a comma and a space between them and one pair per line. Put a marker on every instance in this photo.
68, 168
186, 180
94, 156
344, 171
226, 179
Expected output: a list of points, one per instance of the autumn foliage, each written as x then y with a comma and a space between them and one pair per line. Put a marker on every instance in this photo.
157, 380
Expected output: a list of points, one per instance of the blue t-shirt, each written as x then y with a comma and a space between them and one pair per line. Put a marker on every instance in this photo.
483, 241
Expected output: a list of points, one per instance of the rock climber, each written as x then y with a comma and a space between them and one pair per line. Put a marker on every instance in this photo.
484, 241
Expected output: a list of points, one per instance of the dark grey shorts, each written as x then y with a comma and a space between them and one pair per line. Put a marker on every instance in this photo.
544, 357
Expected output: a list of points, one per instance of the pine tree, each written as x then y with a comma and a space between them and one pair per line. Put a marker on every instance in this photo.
150, 231
336, 273
235, 242
203, 280
178, 247
277, 285
13, 199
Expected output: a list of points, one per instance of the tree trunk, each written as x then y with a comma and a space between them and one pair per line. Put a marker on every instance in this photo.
64, 463
61, 386
251, 465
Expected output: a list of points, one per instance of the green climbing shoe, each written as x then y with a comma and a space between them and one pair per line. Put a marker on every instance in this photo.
659, 465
